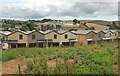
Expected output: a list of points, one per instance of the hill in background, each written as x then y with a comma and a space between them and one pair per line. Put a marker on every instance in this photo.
100, 24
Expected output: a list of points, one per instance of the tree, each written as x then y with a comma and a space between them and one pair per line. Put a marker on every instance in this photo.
31, 26
115, 26
45, 20
25, 28
79, 22
6, 26
75, 21
72, 29
84, 23
92, 28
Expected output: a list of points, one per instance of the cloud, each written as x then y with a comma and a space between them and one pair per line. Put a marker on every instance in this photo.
59, 9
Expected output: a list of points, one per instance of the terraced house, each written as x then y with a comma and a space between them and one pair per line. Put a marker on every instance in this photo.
58, 38
40, 39
67, 38
84, 37
17, 39
4, 35
108, 36
33, 39
99, 35
115, 35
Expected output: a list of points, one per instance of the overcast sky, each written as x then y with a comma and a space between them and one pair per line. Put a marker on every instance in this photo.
59, 9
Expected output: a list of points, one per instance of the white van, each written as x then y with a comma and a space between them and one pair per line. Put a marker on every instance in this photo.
5, 46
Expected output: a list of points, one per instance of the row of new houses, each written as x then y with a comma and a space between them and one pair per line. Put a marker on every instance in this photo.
49, 38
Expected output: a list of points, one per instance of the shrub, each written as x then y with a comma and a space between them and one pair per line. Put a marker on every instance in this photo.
54, 57
50, 58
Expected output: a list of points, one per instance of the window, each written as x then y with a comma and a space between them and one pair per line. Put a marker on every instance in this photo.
20, 36
110, 35
99, 35
33, 36
92, 35
5, 38
115, 34
55, 36
66, 36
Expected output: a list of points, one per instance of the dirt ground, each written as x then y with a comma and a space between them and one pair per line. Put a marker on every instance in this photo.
11, 67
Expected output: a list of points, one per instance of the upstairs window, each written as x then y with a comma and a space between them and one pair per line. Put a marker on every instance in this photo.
92, 35
20, 36
110, 35
99, 35
33, 36
66, 36
5, 38
55, 36
115, 34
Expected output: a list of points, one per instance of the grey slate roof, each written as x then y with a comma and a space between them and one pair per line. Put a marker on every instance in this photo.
113, 31
96, 31
81, 31
5, 32
62, 31
28, 32
21, 31
46, 32
59, 32
105, 31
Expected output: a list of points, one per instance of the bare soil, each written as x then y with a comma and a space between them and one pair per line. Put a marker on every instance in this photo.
11, 67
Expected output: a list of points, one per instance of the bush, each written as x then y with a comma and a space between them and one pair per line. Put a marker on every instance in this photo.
54, 57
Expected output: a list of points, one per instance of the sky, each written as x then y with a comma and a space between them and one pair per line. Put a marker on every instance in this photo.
59, 9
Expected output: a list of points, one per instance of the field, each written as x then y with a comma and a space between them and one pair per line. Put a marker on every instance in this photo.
78, 28
97, 26
90, 59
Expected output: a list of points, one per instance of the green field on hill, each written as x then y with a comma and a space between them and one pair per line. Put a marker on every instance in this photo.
89, 59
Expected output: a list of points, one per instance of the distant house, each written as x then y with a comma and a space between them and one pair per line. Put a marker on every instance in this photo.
49, 26
16, 27
1, 29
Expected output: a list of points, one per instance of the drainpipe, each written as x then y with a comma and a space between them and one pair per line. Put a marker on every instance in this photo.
60, 43
69, 43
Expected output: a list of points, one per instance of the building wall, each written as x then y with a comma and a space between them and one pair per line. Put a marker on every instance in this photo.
117, 34
89, 36
81, 39
60, 37
70, 36
107, 35
15, 36
102, 34
2, 35
38, 36
51, 36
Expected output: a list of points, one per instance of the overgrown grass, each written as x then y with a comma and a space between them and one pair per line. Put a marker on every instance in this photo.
86, 59
28, 52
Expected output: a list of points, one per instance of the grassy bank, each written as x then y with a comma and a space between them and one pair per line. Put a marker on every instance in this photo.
89, 59
28, 52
